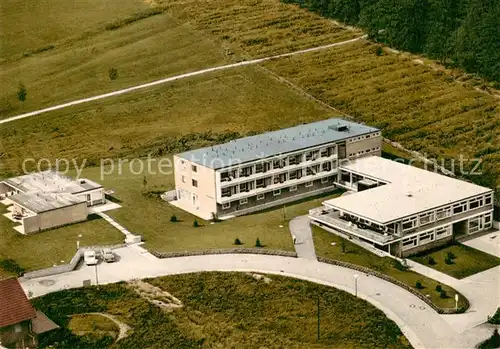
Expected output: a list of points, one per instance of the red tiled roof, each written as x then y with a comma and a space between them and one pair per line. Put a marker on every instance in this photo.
15, 307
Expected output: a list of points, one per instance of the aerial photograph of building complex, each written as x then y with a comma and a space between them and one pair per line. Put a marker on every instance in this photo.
250, 174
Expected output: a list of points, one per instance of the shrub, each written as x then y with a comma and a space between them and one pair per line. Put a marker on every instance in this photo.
343, 246
379, 51
443, 294
11, 266
439, 288
196, 224
400, 265
448, 260
173, 218
257, 243
431, 261
113, 73
215, 218
495, 319
22, 92
492, 342
450, 255
237, 241
419, 285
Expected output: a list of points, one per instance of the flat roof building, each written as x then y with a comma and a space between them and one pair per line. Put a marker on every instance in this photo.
48, 199
269, 169
403, 209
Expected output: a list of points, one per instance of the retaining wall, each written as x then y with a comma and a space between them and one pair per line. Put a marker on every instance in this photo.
226, 251
64, 268
398, 283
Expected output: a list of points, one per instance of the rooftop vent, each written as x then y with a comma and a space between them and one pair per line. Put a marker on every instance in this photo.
82, 181
339, 128
410, 195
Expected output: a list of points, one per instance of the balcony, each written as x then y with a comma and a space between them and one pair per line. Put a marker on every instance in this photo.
284, 184
275, 171
333, 220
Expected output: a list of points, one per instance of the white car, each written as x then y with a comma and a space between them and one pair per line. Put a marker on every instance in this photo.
90, 258
108, 255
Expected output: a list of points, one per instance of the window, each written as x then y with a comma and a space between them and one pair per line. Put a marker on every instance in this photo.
460, 207
243, 201
426, 237
277, 192
226, 205
260, 197
409, 242
293, 175
475, 203
324, 180
409, 223
193, 168
260, 183
443, 232
487, 200
259, 168
183, 179
293, 188
244, 187
443, 213
309, 184
426, 218
226, 192
195, 183
17, 328
326, 166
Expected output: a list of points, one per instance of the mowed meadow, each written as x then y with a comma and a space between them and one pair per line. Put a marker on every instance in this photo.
423, 107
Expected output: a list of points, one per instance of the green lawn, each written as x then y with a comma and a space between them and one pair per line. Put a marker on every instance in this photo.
150, 216
227, 310
93, 324
357, 255
56, 246
468, 261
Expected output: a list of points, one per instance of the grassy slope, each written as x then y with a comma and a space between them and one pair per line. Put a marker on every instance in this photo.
150, 217
357, 255
468, 261
229, 310
93, 324
149, 49
51, 247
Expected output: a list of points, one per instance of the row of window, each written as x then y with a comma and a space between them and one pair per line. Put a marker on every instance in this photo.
276, 192
265, 166
365, 151
444, 212
376, 134
426, 237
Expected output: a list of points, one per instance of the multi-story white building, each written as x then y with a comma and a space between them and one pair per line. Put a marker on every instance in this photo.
402, 209
257, 172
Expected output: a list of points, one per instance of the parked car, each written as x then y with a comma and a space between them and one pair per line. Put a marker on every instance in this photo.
108, 255
90, 257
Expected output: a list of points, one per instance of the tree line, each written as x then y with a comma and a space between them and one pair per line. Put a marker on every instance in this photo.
462, 33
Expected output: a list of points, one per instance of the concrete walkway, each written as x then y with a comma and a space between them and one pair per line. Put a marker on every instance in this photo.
121, 228
176, 77
301, 230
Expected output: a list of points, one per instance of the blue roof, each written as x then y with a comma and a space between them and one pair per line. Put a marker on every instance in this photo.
276, 142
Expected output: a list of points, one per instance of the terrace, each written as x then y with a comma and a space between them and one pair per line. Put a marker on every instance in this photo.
333, 219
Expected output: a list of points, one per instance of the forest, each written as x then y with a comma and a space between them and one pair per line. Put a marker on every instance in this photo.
458, 33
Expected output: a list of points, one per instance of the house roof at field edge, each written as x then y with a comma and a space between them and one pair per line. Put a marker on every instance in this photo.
15, 307
275, 142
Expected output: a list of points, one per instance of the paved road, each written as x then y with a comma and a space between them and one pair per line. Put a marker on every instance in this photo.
304, 246
174, 78
422, 325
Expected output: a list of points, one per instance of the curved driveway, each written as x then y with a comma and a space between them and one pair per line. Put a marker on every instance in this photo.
421, 325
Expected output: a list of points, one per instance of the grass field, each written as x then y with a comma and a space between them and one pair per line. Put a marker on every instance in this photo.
424, 109
228, 310
468, 261
239, 100
57, 246
150, 217
94, 325
357, 255
72, 58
